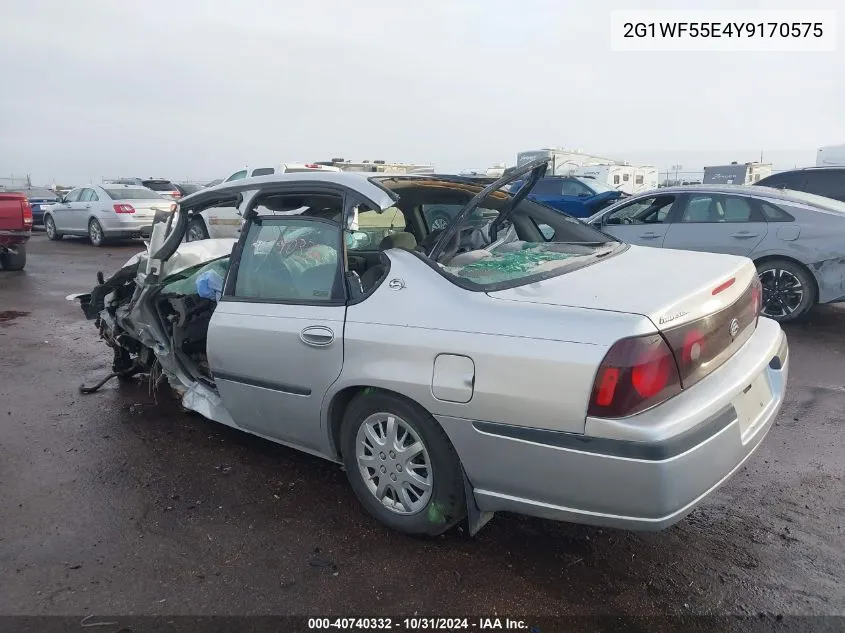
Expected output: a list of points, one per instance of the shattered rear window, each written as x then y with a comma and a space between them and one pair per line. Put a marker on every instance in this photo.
515, 261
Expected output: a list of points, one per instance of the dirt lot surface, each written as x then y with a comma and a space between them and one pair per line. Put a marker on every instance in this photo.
111, 504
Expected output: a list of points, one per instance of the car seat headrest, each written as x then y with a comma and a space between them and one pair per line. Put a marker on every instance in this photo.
403, 240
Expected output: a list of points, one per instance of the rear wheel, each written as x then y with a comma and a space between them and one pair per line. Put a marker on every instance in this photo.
196, 231
95, 232
401, 465
14, 261
50, 228
788, 290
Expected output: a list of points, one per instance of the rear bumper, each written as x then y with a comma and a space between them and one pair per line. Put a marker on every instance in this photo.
128, 226
12, 239
686, 449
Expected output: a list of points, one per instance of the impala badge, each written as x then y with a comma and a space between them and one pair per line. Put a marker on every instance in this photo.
669, 319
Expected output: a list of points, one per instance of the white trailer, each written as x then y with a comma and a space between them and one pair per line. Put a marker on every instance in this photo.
830, 155
377, 166
563, 162
626, 178
496, 171
621, 175
736, 173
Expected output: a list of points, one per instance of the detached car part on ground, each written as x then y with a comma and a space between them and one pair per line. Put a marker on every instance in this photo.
796, 239
15, 229
464, 371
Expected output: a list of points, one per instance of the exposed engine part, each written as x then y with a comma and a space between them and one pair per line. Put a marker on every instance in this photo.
131, 371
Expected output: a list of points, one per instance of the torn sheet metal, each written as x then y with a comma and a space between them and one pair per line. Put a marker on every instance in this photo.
192, 254
204, 401
188, 254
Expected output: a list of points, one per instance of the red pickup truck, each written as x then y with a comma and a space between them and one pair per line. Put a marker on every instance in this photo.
15, 229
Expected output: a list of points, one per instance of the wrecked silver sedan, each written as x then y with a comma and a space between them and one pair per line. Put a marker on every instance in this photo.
515, 360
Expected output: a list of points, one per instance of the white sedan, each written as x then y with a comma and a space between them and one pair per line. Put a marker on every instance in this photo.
105, 211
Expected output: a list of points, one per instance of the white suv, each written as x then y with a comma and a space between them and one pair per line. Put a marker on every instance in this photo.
284, 168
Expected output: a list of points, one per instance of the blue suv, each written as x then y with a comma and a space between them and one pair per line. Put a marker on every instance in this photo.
577, 196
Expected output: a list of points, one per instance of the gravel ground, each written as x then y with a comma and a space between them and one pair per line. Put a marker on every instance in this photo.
111, 503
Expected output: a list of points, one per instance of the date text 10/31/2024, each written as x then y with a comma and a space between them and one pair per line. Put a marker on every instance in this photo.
421, 624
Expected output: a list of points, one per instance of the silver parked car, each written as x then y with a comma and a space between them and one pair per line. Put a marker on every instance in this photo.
460, 372
796, 239
103, 212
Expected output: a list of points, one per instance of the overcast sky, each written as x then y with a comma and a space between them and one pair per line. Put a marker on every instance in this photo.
197, 89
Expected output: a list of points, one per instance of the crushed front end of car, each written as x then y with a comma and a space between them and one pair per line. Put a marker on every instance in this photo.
154, 313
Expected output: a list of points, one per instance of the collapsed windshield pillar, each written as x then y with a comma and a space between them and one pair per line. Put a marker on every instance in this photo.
537, 168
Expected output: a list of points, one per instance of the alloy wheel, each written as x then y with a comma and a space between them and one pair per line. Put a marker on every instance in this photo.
95, 232
394, 463
50, 227
783, 292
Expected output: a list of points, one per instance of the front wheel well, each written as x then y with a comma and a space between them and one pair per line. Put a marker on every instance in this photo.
340, 403
770, 258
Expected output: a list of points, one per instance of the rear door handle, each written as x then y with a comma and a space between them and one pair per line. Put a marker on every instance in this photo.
316, 336
650, 235
743, 235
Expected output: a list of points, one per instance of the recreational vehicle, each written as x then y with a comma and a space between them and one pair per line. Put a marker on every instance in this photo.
625, 178
736, 174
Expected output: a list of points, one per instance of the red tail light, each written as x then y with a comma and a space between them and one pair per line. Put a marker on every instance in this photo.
641, 372
177, 194
173, 207
757, 297
636, 374
26, 212
124, 208
702, 346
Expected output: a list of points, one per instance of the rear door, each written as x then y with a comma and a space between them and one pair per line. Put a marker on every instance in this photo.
717, 223
643, 221
275, 342
63, 212
85, 208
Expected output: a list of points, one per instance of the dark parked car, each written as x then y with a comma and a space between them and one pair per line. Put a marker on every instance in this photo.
821, 181
577, 196
161, 186
39, 197
187, 188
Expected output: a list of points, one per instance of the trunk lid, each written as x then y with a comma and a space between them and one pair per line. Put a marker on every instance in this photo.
670, 287
147, 209
12, 212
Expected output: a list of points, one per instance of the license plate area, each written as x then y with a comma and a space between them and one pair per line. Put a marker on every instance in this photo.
751, 403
